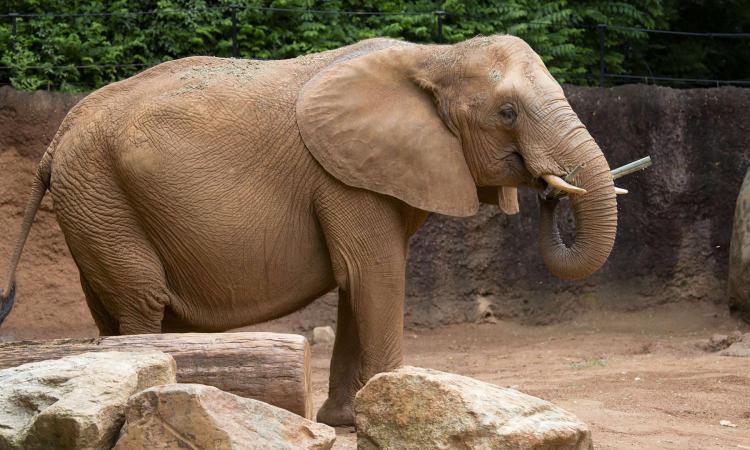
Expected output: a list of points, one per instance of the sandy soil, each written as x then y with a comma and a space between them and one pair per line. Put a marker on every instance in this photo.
638, 379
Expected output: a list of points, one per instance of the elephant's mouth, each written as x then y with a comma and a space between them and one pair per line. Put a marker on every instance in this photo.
537, 184
520, 175
543, 182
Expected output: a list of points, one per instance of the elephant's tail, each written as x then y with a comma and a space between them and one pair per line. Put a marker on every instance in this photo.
38, 189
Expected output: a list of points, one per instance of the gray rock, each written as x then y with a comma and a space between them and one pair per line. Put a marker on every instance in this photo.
76, 402
415, 408
740, 348
483, 312
323, 335
719, 342
739, 253
196, 416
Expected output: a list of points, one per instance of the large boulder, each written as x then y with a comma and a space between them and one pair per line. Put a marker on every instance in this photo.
180, 416
739, 253
76, 402
415, 408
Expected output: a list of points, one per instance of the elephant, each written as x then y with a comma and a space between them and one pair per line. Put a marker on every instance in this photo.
205, 194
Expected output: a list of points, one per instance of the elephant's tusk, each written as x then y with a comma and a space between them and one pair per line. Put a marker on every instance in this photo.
620, 191
562, 185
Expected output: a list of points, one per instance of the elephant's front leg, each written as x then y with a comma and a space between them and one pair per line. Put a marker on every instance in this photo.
367, 243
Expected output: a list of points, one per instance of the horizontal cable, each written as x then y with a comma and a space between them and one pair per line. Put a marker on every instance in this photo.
680, 33
226, 8
516, 21
82, 66
275, 9
335, 11
686, 80
114, 13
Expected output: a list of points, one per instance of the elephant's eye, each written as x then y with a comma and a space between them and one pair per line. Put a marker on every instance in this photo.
508, 115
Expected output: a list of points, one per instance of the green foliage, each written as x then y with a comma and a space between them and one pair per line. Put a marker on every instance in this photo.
80, 52
562, 32
700, 57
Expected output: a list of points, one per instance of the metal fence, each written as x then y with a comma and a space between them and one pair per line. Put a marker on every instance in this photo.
646, 78
439, 18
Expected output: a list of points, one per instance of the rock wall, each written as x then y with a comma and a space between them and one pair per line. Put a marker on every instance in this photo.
29, 120
673, 235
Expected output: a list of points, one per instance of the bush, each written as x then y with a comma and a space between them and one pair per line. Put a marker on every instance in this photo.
74, 53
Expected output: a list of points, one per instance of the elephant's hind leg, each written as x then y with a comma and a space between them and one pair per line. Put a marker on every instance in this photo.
125, 294
122, 275
124, 286
107, 324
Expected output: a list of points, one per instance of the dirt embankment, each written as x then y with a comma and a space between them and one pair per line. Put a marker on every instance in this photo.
672, 243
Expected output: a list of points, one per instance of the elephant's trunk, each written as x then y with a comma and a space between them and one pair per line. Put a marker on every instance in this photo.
595, 214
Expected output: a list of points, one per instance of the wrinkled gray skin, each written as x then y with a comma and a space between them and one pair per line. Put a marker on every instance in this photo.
207, 194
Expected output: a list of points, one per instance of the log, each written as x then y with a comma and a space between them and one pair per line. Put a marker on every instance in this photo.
270, 367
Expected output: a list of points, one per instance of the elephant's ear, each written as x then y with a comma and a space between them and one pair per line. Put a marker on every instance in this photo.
368, 122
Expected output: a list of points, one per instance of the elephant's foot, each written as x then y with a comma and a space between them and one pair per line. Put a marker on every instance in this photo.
336, 414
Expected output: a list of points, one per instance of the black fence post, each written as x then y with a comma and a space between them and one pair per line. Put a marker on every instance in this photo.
235, 51
601, 28
13, 17
439, 15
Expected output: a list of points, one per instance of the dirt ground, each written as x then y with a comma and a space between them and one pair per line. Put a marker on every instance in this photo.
638, 379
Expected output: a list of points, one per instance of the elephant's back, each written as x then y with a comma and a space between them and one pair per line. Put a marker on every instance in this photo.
232, 118
251, 92
191, 78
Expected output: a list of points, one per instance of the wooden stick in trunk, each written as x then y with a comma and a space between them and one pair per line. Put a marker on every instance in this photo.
619, 172
271, 367
632, 167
